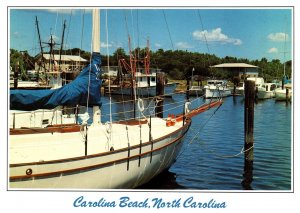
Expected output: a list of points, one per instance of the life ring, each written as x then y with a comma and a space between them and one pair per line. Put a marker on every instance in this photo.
140, 104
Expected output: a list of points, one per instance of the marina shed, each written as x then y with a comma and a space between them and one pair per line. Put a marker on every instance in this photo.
68, 62
239, 69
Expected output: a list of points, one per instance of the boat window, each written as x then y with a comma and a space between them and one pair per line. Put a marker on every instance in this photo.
152, 78
45, 121
273, 86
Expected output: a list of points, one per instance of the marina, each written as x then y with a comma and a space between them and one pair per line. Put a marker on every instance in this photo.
212, 160
135, 127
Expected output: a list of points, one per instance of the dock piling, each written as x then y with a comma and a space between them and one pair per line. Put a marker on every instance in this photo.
248, 133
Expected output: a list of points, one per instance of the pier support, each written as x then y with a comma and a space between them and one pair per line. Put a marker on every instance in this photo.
188, 89
160, 86
286, 95
16, 75
248, 133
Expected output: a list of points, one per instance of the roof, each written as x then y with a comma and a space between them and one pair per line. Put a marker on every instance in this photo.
233, 65
65, 57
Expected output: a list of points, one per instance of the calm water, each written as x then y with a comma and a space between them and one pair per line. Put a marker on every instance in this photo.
212, 159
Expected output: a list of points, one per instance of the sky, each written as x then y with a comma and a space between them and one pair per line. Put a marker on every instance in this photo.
251, 33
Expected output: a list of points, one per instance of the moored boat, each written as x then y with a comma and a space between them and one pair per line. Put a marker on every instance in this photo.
122, 154
216, 89
266, 91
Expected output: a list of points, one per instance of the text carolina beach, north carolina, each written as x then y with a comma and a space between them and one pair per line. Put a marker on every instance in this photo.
157, 203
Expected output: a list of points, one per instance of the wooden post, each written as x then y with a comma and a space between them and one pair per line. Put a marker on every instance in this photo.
16, 75
256, 92
286, 94
188, 89
160, 84
248, 133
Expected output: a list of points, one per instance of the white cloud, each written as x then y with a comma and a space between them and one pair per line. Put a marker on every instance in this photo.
183, 45
55, 38
157, 45
278, 37
16, 34
105, 45
61, 11
215, 35
273, 50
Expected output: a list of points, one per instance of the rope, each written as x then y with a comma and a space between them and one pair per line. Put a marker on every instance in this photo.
199, 130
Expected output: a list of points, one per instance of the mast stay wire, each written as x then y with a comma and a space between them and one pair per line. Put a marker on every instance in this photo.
168, 29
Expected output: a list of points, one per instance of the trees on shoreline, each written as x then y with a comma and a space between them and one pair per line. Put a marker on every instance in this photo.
177, 64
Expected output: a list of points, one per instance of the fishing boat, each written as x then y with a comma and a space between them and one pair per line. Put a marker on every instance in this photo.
145, 85
216, 89
117, 154
136, 80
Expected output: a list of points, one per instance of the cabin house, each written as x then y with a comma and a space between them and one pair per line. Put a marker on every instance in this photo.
239, 69
69, 63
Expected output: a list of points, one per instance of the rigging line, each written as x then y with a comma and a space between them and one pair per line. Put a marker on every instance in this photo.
212, 151
70, 18
126, 26
55, 23
199, 130
208, 50
133, 34
107, 53
82, 30
168, 29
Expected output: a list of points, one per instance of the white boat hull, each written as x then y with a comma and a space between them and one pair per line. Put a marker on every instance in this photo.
217, 92
64, 165
196, 91
280, 95
265, 94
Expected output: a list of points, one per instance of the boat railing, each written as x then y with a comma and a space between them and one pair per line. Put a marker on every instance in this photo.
72, 115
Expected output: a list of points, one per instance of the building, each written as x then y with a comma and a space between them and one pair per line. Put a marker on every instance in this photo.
69, 63
239, 69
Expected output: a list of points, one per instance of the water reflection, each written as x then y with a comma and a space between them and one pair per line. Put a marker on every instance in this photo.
165, 180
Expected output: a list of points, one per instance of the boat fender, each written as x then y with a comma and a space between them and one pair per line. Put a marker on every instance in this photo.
29, 171
108, 127
140, 104
186, 107
168, 121
85, 117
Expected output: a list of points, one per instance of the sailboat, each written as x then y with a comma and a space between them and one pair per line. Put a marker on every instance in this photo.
121, 154
285, 92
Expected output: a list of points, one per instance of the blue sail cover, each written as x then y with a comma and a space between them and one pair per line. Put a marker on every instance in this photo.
71, 94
